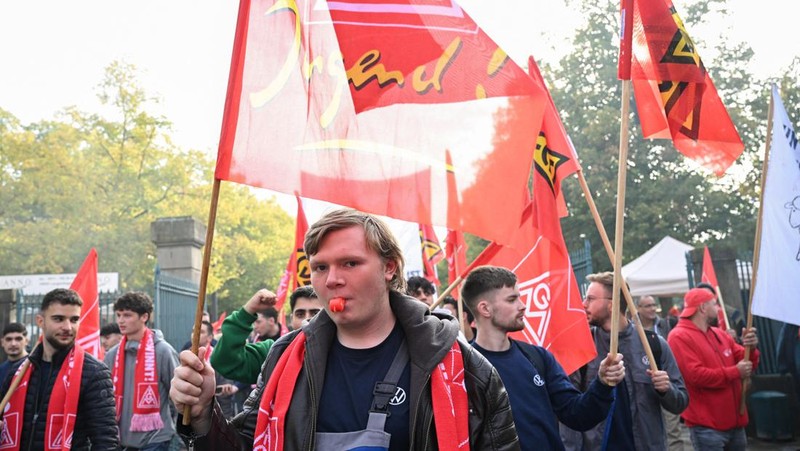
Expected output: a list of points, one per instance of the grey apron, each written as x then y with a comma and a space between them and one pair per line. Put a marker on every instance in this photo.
374, 437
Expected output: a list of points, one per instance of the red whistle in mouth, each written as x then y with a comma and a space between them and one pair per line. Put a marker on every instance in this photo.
336, 305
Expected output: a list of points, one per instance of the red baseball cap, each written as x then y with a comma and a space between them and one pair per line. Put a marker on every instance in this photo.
693, 299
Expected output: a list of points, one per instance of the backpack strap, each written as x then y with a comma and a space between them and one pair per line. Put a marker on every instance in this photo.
655, 346
534, 355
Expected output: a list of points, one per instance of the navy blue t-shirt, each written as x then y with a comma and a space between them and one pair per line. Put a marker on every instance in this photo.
535, 421
540, 399
350, 377
5, 368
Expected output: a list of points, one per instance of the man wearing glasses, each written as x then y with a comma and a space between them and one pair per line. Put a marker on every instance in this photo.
635, 420
648, 315
646, 306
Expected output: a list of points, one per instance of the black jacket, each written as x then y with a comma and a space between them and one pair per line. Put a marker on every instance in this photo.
429, 338
96, 414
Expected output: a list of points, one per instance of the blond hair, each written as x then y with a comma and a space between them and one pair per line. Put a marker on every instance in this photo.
379, 238
607, 280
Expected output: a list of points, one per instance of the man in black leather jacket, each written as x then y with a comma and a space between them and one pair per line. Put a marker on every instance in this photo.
353, 256
94, 425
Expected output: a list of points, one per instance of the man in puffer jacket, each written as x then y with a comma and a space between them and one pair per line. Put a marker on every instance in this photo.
49, 393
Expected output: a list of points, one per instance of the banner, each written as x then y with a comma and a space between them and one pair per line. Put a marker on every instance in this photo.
357, 103
431, 252
554, 315
85, 284
675, 96
777, 278
709, 276
297, 272
554, 159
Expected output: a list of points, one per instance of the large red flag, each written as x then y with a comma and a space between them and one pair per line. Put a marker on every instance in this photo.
554, 314
554, 159
456, 252
85, 284
455, 245
297, 273
674, 93
710, 277
357, 102
431, 252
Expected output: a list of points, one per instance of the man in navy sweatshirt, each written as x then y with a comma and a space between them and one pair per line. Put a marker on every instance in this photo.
540, 392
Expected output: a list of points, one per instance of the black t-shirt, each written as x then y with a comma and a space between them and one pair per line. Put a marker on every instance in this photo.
350, 377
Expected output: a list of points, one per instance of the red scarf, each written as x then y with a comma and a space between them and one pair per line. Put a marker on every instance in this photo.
146, 399
450, 407
63, 404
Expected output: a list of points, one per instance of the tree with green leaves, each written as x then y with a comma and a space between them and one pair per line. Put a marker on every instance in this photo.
84, 180
666, 194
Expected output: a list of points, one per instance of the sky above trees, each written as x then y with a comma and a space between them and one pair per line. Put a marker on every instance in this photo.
57, 51
181, 50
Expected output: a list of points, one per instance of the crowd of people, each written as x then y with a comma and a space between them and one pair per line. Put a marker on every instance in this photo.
382, 370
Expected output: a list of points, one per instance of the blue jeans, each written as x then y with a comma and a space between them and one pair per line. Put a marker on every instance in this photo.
707, 439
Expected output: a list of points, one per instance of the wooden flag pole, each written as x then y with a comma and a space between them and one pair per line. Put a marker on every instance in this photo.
757, 247
620, 216
461, 326
201, 295
486, 254
440, 299
15, 383
722, 306
626, 293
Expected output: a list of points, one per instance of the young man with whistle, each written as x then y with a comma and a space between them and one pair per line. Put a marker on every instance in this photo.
374, 369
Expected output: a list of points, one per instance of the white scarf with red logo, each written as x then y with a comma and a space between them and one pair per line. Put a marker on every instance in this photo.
63, 404
146, 399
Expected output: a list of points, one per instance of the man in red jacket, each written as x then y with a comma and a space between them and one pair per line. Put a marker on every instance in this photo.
713, 366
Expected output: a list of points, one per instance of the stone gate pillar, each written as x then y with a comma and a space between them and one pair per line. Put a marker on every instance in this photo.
179, 241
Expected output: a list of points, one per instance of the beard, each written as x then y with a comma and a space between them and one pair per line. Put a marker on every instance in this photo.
713, 322
512, 325
597, 320
57, 345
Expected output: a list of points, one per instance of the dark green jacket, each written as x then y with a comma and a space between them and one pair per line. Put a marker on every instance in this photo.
233, 356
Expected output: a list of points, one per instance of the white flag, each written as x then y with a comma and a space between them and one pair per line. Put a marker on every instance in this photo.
777, 290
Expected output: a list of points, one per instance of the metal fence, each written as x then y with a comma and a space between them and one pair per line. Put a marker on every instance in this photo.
175, 303
582, 265
27, 307
768, 329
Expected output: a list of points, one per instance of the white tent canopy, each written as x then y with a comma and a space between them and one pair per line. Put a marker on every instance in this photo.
661, 271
